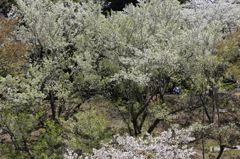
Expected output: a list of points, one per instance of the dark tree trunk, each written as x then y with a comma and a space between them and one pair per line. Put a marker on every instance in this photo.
203, 146
203, 100
203, 139
136, 128
222, 147
154, 125
52, 102
156, 122
214, 100
145, 114
27, 149
14, 141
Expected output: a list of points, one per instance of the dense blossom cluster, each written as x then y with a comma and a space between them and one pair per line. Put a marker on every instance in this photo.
170, 144
221, 12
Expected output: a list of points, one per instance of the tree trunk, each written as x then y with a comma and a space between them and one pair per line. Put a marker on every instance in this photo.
203, 146
145, 114
222, 147
52, 102
152, 127
212, 94
204, 106
162, 95
27, 149
14, 141
136, 128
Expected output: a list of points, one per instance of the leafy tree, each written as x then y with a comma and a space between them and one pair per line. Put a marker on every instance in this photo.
20, 113
228, 49
64, 51
210, 28
157, 48
49, 143
210, 22
86, 130
25, 118
146, 56
60, 68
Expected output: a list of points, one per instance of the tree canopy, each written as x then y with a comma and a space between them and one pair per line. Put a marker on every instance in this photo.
128, 59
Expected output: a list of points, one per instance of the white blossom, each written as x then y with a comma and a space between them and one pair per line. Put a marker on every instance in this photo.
170, 144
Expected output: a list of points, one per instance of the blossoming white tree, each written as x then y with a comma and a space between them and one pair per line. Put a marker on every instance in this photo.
65, 48
148, 40
129, 56
170, 144
209, 22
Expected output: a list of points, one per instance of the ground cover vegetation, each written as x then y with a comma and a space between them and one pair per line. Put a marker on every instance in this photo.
72, 69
